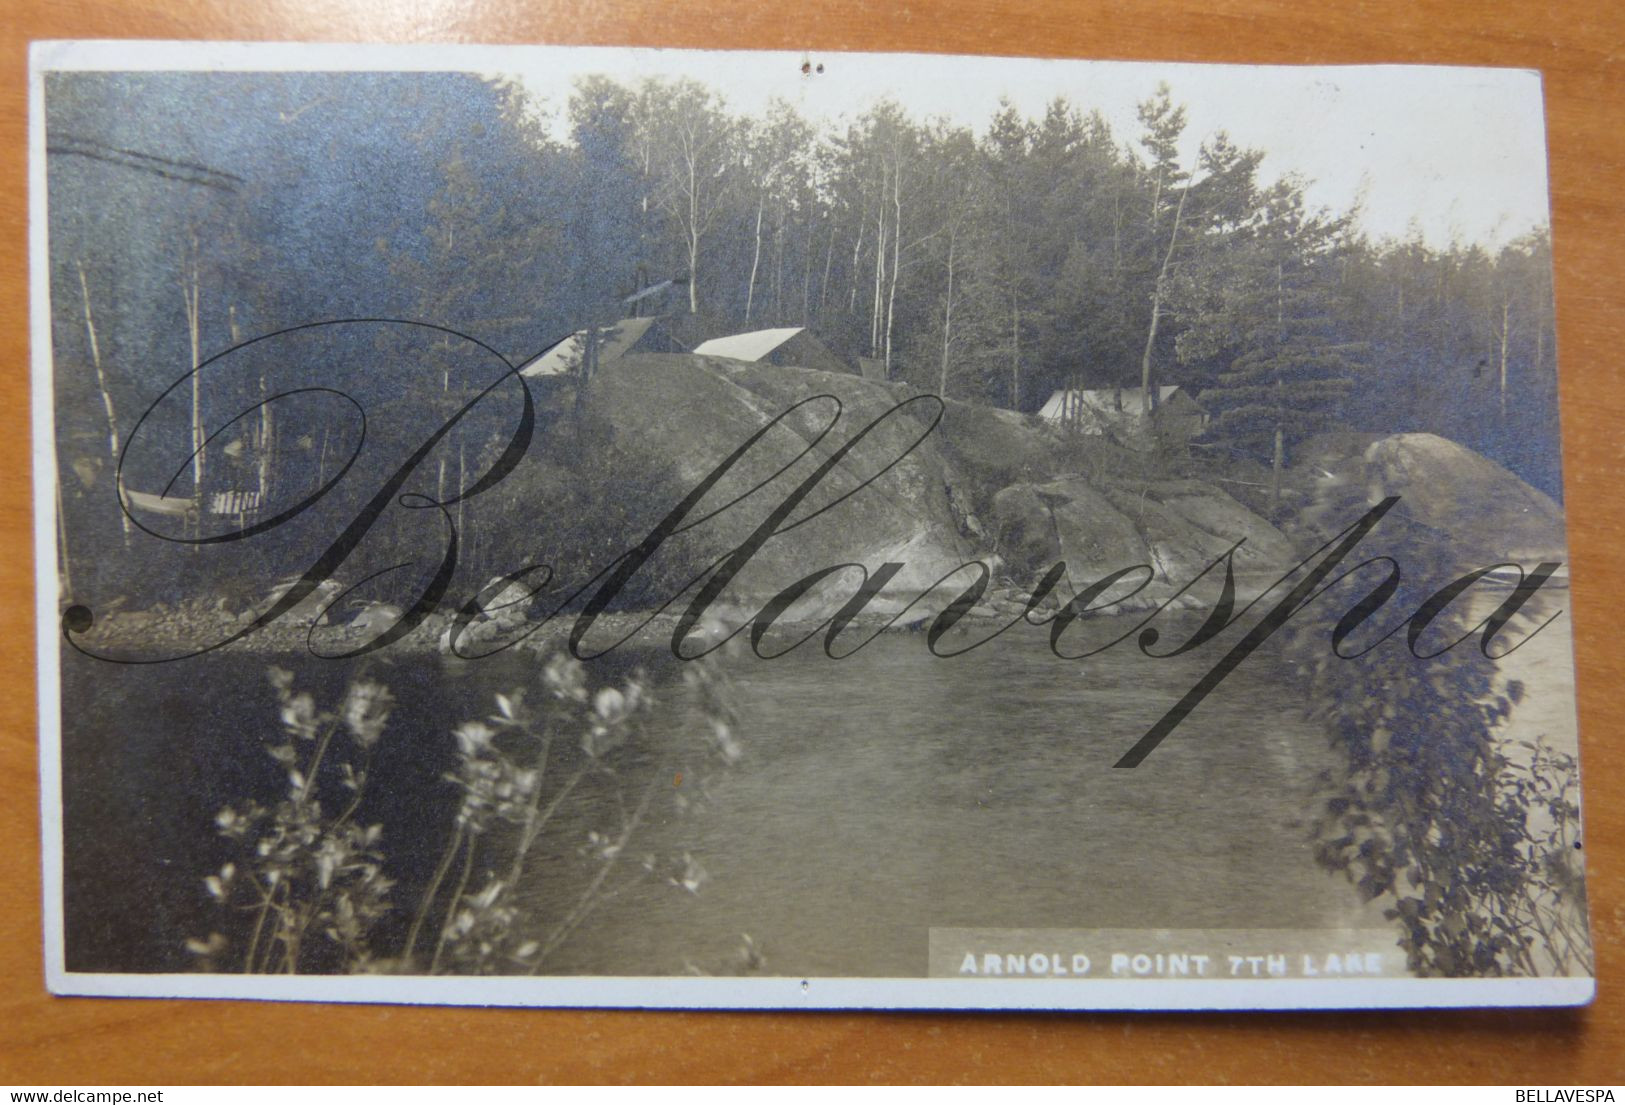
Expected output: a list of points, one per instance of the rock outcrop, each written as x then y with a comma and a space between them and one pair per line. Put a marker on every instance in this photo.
990, 448
825, 471
673, 419
1177, 528
982, 485
1485, 512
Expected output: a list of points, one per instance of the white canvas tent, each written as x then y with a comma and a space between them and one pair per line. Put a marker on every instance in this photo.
787, 346
616, 340
1124, 414
1100, 405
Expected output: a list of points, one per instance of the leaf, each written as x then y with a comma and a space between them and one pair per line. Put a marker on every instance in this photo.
213, 945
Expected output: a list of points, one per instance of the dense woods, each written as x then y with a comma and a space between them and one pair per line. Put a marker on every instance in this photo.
1050, 252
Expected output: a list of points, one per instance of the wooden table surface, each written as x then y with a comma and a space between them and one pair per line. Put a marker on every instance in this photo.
1578, 45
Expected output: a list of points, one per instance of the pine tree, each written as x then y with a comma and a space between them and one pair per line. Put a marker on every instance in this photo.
1293, 371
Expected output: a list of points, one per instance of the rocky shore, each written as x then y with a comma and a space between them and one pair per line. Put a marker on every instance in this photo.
908, 480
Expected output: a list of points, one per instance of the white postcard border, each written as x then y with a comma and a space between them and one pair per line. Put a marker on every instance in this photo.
847, 993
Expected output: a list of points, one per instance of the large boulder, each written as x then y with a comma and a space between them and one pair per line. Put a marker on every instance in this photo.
918, 481
1209, 521
1039, 524
666, 421
990, 447
1485, 512
1176, 527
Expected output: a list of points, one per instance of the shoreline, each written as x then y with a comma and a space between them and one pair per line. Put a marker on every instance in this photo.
133, 636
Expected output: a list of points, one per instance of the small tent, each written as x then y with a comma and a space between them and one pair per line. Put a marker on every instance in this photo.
1123, 413
787, 347
629, 335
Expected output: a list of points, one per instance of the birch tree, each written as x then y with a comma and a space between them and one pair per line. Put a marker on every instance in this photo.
107, 395
1164, 124
694, 158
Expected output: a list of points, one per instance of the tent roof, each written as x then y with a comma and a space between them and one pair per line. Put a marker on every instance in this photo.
616, 340
1102, 402
748, 347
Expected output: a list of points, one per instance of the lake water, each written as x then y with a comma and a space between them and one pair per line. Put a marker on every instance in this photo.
877, 797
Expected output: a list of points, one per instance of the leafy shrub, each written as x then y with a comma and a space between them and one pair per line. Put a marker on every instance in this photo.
310, 886
1470, 840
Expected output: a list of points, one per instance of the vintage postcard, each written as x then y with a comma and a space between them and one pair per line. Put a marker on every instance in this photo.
555, 526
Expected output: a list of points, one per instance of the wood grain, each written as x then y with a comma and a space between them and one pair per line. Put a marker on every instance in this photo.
1577, 45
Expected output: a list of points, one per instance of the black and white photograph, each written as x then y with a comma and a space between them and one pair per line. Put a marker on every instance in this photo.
585, 526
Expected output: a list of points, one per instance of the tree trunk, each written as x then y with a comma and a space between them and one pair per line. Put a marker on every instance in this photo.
462, 477
107, 400
646, 150
947, 320
267, 445
896, 256
1275, 468
62, 537
806, 278
1117, 232
857, 249
1150, 340
1540, 346
778, 269
755, 257
1015, 349
829, 260
191, 294
693, 274
693, 235
880, 271
1146, 401
1506, 310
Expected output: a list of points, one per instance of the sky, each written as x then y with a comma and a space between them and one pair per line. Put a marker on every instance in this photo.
1455, 154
